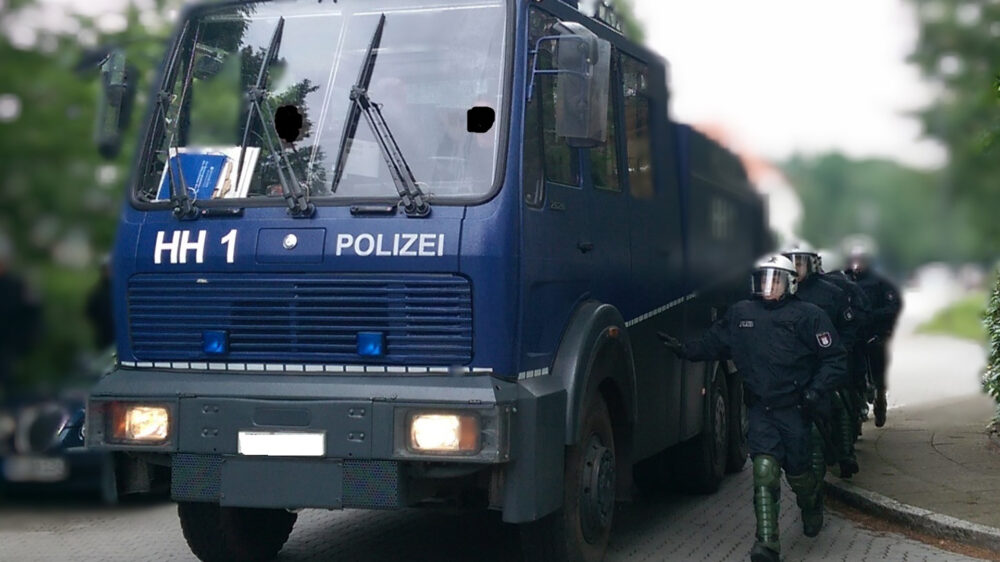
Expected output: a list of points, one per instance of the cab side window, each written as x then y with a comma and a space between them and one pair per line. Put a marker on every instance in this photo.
638, 147
546, 155
604, 159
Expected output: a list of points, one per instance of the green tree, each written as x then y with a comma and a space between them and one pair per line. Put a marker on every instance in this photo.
991, 378
631, 26
899, 207
959, 51
58, 200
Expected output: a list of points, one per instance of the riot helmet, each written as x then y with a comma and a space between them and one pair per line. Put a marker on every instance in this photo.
804, 258
773, 278
830, 260
859, 259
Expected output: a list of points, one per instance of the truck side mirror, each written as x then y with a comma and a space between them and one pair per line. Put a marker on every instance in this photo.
583, 65
582, 87
115, 104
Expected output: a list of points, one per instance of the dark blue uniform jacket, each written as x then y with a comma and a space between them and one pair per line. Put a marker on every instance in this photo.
885, 301
781, 349
835, 303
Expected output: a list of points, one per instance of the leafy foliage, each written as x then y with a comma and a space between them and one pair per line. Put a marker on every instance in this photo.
59, 200
959, 51
902, 208
991, 378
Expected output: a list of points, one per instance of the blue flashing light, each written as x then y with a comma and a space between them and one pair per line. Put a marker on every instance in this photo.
371, 344
215, 342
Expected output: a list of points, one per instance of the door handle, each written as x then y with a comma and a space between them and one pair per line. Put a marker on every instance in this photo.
585, 247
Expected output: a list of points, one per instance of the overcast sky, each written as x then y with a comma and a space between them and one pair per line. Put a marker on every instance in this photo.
788, 75
781, 75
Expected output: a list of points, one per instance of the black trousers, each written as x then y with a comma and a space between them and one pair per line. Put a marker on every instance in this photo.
878, 361
782, 433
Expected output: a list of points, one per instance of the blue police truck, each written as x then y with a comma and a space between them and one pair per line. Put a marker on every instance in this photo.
391, 253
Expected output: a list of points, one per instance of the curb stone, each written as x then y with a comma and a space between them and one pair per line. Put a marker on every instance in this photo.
932, 523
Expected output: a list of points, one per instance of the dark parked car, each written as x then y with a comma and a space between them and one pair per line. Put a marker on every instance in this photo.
42, 443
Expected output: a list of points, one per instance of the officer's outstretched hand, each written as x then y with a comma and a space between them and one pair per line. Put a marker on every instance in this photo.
671, 343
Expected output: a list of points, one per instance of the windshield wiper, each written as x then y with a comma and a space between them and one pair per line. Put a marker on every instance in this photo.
184, 207
413, 199
298, 202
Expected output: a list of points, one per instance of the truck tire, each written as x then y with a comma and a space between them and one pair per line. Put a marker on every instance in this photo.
701, 462
217, 534
580, 529
739, 421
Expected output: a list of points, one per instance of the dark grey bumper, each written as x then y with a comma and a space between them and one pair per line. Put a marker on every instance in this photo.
362, 419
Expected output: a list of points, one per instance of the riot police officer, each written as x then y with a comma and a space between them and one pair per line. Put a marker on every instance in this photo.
837, 305
830, 269
791, 358
886, 305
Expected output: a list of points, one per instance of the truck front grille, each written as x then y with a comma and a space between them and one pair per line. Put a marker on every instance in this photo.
305, 318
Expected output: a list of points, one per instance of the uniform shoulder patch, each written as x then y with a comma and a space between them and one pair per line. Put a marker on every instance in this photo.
745, 324
824, 339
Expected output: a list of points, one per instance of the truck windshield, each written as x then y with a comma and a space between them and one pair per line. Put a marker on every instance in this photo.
437, 60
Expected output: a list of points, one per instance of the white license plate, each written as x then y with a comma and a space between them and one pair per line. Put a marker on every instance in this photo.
35, 469
282, 443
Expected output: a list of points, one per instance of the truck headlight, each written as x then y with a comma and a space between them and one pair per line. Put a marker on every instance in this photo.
440, 433
139, 423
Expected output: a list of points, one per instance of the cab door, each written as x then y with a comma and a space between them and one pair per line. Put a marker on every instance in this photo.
604, 181
557, 245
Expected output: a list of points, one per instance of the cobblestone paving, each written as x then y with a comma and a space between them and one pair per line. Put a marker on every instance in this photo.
717, 527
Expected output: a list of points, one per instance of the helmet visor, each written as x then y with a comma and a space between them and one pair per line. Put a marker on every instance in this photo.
803, 264
769, 284
858, 263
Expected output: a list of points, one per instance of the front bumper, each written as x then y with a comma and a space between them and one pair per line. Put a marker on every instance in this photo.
362, 419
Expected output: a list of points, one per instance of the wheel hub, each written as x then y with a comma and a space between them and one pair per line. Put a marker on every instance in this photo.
597, 502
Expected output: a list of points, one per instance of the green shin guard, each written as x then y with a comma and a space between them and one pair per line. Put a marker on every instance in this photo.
843, 435
766, 496
808, 496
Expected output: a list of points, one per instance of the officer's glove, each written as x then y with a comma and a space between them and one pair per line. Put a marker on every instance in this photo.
672, 343
812, 401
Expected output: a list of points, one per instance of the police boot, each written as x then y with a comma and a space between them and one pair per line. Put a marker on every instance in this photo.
766, 496
879, 406
808, 498
844, 435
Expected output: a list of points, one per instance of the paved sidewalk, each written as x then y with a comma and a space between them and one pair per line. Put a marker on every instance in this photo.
936, 458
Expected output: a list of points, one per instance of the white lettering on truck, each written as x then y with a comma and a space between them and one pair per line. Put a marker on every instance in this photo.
180, 245
401, 244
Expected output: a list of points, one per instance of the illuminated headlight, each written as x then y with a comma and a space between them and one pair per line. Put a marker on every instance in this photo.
444, 433
139, 423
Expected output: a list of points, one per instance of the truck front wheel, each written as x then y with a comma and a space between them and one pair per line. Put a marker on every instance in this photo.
581, 528
217, 533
